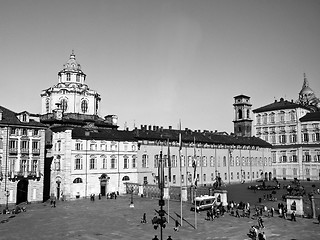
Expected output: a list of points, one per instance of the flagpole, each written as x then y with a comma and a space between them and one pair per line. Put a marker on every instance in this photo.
195, 181
169, 173
180, 146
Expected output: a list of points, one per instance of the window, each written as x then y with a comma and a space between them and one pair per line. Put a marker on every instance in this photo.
204, 177
183, 161
258, 119
174, 179
13, 131
305, 137
271, 117
282, 139
212, 177
145, 180
238, 175
173, 161
273, 138
24, 132
77, 180
78, 77
68, 77
78, 146
189, 161
84, 106
282, 117
64, 104
48, 105
204, 161
293, 138
34, 167
224, 161
182, 178
225, 176
113, 162
125, 162
144, 160
292, 116
211, 161
134, 162
307, 157
156, 161
104, 162
265, 118
231, 175
78, 163
57, 163
231, 161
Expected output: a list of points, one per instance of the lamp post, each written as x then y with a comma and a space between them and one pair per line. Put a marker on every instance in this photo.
131, 204
161, 220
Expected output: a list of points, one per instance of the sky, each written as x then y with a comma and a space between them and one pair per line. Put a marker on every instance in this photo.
161, 62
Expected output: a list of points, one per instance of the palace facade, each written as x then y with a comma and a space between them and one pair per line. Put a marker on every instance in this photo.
22, 144
292, 127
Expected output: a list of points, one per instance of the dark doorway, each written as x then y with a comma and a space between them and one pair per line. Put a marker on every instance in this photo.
103, 190
270, 176
22, 191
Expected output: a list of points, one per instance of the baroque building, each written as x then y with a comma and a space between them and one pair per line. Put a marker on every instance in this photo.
87, 154
293, 130
22, 142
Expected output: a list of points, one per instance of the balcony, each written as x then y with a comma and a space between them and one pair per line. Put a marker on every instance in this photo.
35, 151
24, 151
16, 176
13, 151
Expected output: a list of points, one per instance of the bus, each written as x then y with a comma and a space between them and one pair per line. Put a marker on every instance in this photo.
203, 203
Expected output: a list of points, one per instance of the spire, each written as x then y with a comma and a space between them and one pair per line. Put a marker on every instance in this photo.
72, 55
305, 81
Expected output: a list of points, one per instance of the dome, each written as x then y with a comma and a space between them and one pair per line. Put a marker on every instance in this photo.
72, 64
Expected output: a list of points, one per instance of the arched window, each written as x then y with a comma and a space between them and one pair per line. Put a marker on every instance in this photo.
239, 114
125, 178
57, 163
77, 180
47, 105
248, 113
258, 119
84, 106
64, 104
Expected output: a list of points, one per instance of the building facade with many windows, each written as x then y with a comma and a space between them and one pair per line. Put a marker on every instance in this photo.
293, 130
22, 147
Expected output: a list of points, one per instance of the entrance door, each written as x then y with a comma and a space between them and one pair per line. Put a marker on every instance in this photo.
103, 190
22, 191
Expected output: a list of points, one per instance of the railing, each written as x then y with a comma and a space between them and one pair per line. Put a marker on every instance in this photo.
35, 151
13, 151
24, 150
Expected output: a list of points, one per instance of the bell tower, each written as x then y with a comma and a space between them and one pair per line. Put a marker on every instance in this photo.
242, 116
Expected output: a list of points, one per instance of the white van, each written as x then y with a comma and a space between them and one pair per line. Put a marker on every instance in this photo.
204, 203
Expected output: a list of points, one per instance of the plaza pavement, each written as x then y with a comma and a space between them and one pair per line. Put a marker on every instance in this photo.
114, 219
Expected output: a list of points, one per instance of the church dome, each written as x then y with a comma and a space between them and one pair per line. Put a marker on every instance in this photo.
72, 64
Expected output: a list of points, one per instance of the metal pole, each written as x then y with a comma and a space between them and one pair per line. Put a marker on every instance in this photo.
195, 208
6, 169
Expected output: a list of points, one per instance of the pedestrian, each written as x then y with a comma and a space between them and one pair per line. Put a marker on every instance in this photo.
272, 211
260, 222
293, 216
53, 200
264, 236
260, 236
99, 196
237, 213
144, 218
155, 238
176, 226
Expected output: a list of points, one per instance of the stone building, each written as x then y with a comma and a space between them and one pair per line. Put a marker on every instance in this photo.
292, 127
22, 144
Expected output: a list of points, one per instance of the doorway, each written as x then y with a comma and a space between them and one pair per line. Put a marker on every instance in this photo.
22, 191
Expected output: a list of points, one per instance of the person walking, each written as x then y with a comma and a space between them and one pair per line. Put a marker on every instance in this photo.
176, 226
260, 222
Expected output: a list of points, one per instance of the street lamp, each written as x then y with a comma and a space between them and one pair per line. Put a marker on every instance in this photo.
161, 220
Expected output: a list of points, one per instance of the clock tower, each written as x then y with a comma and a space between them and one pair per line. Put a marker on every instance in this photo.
242, 116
